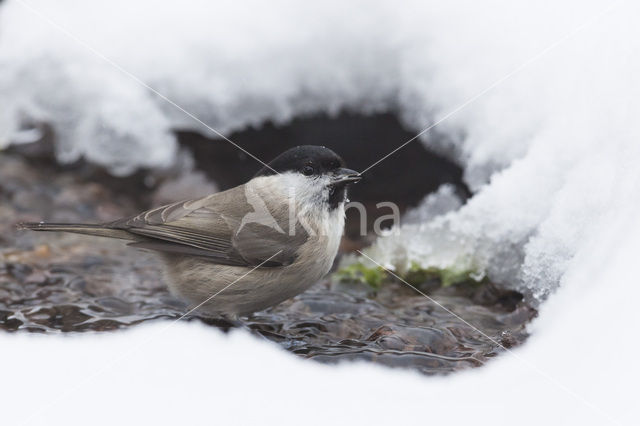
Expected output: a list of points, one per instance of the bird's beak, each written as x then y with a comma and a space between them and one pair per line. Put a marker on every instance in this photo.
345, 176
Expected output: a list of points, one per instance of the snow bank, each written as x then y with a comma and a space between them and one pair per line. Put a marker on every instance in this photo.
577, 368
551, 154
229, 64
547, 151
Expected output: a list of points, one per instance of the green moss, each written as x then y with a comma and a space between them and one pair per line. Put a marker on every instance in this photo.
357, 272
447, 276
415, 275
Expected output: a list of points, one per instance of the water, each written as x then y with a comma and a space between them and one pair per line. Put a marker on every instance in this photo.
56, 283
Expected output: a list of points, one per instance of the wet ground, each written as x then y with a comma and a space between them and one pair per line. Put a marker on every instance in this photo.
56, 283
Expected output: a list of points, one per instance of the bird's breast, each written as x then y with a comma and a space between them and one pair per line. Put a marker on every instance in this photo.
321, 247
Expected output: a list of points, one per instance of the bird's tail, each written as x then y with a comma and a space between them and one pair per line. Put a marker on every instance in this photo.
79, 228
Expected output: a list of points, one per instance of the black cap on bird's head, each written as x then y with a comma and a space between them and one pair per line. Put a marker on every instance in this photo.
315, 162
311, 160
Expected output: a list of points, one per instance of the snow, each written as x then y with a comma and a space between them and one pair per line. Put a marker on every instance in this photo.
79, 71
550, 152
577, 368
545, 150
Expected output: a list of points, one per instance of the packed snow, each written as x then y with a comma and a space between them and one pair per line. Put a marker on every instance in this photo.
546, 150
548, 135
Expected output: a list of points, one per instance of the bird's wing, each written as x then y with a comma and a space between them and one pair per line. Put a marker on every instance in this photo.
228, 228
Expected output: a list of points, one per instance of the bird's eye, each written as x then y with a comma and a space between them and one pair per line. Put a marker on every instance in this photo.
307, 170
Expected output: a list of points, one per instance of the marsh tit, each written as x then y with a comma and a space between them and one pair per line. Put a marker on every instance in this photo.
252, 246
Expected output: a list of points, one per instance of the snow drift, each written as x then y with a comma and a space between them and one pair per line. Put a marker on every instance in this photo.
551, 151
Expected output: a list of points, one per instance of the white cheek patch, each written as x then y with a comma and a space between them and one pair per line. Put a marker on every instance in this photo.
306, 190
308, 197
305, 198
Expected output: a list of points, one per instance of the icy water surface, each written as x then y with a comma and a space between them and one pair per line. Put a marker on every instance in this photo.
56, 283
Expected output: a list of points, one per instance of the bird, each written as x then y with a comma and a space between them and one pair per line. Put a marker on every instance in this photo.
245, 249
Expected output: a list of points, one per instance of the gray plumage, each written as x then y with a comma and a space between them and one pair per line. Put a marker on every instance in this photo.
207, 227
